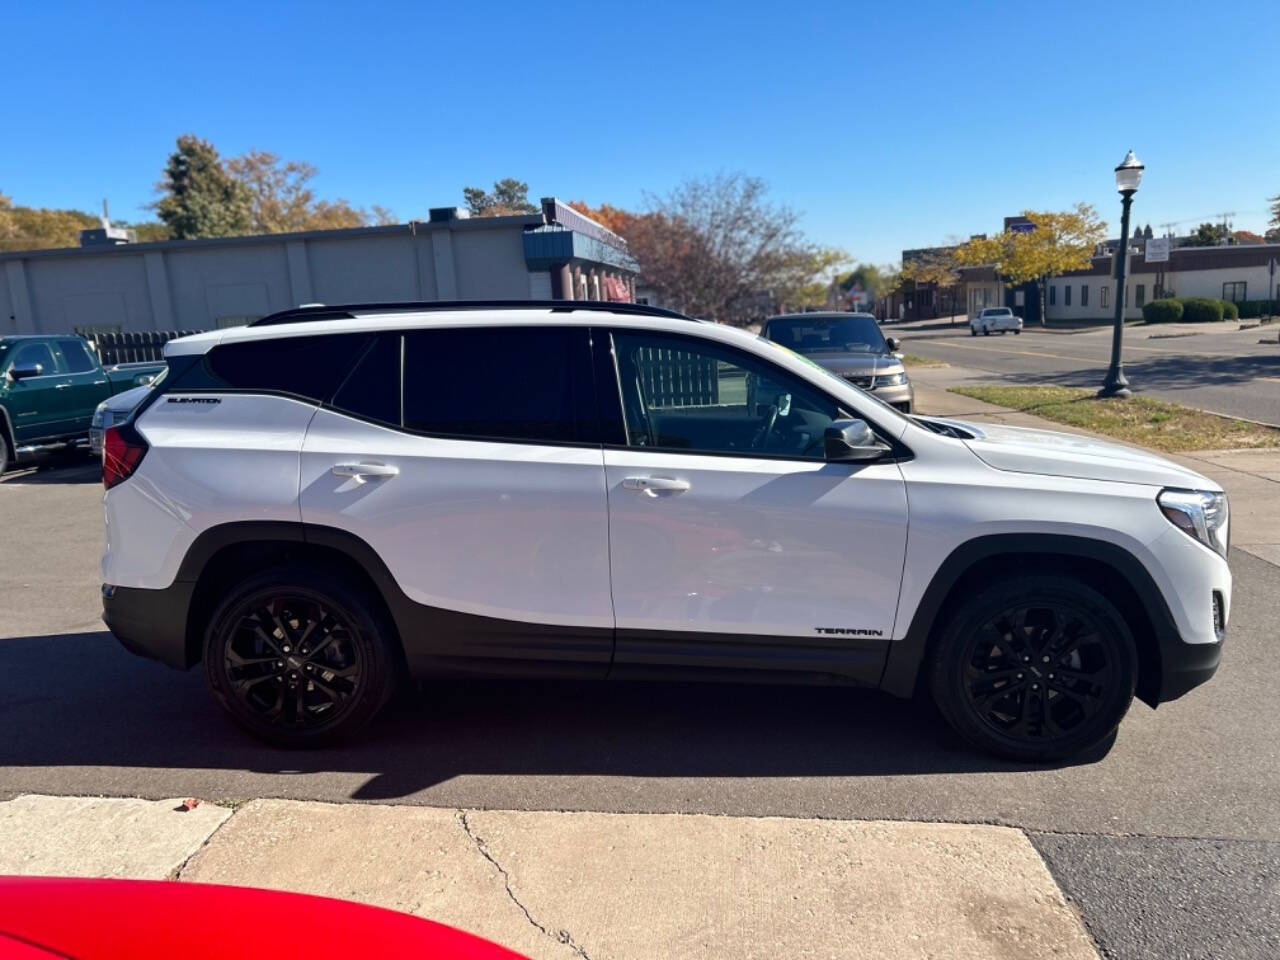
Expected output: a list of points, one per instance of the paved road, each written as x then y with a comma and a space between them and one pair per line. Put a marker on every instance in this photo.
82, 716
1230, 373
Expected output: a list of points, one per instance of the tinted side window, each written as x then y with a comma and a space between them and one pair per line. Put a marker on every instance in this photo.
29, 354
373, 388
76, 354
504, 383
310, 367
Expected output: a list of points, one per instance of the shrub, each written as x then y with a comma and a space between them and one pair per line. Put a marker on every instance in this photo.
1201, 310
1257, 308
1230, 311
1162, 311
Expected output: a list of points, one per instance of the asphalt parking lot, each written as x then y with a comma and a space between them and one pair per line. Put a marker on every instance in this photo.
1170, 838
1223, 370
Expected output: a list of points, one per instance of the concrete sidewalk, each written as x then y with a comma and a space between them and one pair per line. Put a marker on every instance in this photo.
570, 885
1250, 477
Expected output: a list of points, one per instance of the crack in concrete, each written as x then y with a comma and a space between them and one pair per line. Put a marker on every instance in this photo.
176, 873
560, 936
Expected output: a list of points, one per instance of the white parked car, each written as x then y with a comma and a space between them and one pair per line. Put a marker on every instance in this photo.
330, 499
995, 320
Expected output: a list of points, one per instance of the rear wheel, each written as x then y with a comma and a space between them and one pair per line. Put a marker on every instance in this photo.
1037, 668
297, 657
6, 455
973, 331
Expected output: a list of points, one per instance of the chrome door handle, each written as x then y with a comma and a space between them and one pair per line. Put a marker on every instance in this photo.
656, 486
360, 472
61, 386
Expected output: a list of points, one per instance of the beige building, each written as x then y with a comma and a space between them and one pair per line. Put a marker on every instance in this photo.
199, 284
1236, 273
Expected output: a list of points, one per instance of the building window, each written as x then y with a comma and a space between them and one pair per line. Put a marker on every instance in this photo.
1084, 294
1140, 295
1066, 294
1235, 292
1105, 295
1053, 296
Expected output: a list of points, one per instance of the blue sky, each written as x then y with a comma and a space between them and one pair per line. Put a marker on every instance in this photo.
886, 125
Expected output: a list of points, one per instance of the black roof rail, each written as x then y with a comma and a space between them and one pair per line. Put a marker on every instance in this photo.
348, 311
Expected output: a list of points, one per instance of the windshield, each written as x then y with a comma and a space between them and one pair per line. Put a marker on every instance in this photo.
854, 333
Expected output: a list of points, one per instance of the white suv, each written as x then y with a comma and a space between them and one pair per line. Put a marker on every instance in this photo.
331, 499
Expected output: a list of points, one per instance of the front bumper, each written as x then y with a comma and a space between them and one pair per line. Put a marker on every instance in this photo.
151, 623
903, 396
1184, 666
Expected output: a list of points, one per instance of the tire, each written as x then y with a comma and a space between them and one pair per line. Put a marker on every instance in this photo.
973, 331
1017, 332
991, 681
325, 692
986, 332
6, 455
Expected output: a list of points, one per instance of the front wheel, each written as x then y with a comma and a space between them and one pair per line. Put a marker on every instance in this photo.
1016, 332
5, 455
1037, 668
297, 657
986, 332
973, 331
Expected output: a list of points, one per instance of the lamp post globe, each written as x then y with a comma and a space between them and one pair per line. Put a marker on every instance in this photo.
1128, 176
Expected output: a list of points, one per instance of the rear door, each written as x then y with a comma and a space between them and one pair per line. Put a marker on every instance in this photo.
733, 544
469, 459
88, 383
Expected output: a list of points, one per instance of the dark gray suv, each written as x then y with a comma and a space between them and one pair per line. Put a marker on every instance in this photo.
851, 346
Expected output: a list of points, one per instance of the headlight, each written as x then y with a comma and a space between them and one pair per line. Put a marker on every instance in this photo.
891, 379
1198, 513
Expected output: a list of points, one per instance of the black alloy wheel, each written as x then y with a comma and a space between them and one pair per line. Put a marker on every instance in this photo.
1036, 668
1037, 671
298, 659
293, 661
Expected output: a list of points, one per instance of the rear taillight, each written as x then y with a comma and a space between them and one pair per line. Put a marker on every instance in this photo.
122, 450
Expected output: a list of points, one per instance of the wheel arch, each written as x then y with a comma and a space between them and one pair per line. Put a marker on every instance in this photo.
1111, 570
220, 557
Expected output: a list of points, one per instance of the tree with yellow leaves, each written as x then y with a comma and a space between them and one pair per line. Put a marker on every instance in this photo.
1057, 243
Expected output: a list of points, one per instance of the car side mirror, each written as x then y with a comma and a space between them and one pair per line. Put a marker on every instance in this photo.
851, 441
30, 370
894, 344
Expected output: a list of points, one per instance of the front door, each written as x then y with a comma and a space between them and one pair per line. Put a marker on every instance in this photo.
733, 544
36, 405
474, 470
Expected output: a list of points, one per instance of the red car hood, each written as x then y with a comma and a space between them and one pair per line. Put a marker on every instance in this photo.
143, 919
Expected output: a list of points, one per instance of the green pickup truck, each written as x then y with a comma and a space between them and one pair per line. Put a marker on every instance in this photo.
49, 387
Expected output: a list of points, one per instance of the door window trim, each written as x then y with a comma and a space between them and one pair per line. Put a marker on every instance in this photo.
898, 450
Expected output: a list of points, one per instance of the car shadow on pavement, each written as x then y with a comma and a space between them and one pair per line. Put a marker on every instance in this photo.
80, 472
79, 700
1180, 372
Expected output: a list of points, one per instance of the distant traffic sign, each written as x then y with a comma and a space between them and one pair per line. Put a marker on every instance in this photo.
1158, 250
1022, 227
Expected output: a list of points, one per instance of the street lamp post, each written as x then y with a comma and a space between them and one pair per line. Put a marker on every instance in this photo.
1128, 176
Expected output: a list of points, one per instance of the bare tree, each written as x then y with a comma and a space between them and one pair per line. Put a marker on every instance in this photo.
718, 248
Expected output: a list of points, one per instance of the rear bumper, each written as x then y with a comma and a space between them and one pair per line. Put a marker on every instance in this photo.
150, 623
